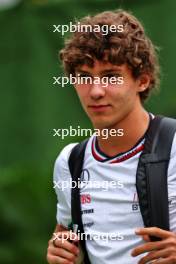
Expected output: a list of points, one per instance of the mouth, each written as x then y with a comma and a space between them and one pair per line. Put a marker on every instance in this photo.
99, 108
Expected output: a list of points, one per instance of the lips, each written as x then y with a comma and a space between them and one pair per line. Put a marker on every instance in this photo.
99, 108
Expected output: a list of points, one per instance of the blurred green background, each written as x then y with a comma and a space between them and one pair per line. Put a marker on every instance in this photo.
31, 107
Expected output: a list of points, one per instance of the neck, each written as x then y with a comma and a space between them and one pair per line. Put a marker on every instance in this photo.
134, 127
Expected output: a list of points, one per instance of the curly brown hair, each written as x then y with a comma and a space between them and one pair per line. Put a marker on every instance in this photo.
130, 46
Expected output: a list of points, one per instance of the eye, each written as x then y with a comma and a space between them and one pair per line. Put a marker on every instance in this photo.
111, 78
112, 75
81, 75
84, 78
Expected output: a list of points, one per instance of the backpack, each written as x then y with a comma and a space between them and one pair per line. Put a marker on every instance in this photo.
151, 177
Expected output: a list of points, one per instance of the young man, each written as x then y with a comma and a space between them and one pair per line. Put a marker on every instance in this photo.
127, 53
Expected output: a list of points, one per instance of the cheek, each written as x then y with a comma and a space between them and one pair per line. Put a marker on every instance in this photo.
123, 95
81, 92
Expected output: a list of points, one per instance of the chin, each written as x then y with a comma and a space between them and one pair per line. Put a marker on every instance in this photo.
101, 123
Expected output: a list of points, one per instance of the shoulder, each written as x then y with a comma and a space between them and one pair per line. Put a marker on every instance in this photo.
61, 163
173, 149
172, 168
65, 153
169, 125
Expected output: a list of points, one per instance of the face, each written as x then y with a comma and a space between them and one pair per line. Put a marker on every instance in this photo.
108, 103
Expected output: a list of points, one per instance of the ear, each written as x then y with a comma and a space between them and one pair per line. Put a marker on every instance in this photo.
143, 82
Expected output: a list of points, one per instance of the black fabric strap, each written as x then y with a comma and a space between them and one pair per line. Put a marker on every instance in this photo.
151, 176
75, 162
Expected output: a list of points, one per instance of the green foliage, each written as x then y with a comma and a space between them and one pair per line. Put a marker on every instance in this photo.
27, 205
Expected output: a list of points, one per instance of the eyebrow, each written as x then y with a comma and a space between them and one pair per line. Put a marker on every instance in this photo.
81, 71
102, 72
111, 70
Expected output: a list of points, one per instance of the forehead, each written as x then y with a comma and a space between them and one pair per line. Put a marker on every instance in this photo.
100, 67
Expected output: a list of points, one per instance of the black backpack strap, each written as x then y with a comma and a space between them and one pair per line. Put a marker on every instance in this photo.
151, 176
75, 162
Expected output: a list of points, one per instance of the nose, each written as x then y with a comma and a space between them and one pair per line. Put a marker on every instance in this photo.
97, 91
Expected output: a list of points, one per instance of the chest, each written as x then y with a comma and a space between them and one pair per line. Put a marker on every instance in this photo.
108, 197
